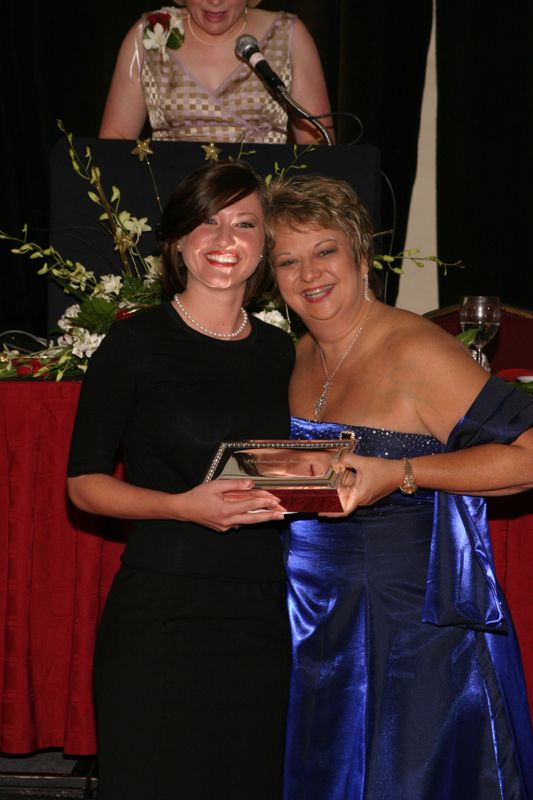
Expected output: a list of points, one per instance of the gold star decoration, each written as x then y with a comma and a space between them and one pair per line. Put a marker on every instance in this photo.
142, 149
123, 241
211, 152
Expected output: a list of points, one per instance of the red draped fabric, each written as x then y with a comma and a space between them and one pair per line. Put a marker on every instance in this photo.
56, 566
511, 529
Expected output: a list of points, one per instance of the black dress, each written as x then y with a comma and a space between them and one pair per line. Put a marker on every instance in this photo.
192, 656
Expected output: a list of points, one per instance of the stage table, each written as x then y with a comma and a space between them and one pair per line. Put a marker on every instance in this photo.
57, 563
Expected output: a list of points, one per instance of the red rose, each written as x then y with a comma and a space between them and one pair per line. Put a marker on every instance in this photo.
30, 367
161, 17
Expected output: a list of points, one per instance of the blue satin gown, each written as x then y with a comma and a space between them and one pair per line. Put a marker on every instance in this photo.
406, 679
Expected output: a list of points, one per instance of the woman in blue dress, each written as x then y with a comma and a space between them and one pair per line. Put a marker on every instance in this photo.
406, 678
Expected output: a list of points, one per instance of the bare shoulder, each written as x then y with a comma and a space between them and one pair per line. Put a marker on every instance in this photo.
302, 36
435, 370
135, 31
260, 20
412, 336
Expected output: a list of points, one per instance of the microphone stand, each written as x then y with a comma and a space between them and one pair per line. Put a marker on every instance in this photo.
301, 112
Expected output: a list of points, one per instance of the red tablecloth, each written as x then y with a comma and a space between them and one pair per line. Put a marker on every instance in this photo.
56, 565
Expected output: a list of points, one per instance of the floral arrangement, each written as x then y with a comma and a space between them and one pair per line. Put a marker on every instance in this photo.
164, 29
99, 301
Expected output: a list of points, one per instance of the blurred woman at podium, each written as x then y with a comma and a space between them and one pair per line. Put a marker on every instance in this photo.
178, 67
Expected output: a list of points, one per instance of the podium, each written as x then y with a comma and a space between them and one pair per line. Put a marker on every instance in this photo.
77, 234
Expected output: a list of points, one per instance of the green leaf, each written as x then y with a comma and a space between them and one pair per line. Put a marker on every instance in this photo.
175, 39
96, 314
467, 337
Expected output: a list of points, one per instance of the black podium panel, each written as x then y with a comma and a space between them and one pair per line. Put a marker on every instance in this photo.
74, 227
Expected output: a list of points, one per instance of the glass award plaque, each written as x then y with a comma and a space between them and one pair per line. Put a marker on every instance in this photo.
300, 472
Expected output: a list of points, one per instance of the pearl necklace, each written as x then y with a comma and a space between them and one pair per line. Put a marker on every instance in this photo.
320, 404
202, 328
217, 44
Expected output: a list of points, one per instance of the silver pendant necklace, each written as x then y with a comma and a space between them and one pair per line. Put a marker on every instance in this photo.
202, 328
320, 404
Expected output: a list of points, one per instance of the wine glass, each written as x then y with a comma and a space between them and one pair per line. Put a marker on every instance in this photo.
482, 312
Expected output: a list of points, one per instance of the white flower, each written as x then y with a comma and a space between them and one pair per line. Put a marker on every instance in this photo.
6, 359
156, 38
72, 311
137, 226
107, 285
66, 340
273, 318
155, 269
82, 343
66, 322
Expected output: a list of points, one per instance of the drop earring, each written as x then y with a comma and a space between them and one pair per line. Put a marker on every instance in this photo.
366, 293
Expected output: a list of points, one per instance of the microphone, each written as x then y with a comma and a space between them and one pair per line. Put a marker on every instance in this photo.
247, 47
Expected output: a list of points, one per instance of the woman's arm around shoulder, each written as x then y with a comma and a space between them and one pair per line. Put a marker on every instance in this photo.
308, 85
125, 108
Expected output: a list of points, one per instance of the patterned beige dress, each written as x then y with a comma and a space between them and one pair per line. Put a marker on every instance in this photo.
180, 107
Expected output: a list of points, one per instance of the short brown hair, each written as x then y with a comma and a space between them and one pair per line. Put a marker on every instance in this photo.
200, 195
318, 201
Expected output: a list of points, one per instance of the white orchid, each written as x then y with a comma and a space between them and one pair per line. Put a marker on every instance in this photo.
274, 317
155, 269
108, 285
156, 38
137, 226
82, 343
66, 321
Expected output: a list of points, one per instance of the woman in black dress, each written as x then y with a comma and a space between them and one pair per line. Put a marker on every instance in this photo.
192, 654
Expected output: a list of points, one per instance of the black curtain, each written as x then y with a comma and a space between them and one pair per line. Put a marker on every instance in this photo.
58, 59
485, 152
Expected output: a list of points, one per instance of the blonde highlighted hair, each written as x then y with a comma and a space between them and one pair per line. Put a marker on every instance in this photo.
319, 202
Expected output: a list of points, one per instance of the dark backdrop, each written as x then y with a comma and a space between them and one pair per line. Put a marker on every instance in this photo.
485, 148
58, 58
